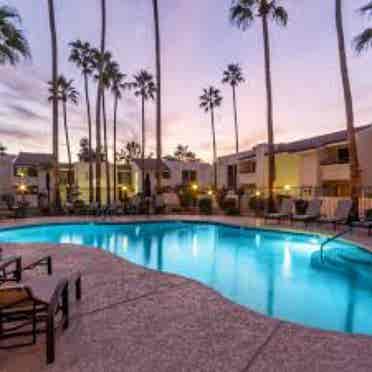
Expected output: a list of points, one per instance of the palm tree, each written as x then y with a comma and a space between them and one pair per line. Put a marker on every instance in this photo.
82, 56
53, 32
354, 162
233, 76
99, 102
117, 87
242, 14
13, 43
364, 40
109, 70
158, 95
145, 88
66, 93
209, 101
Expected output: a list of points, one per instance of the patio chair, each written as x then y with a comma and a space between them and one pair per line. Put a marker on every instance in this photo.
285, 212
7, 276
24, 307
341, 216
365, 223
312, 213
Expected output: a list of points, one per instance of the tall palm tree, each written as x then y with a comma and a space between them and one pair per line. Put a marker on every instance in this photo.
233, 76
209, 101
354, 162
364, 40
99, 102
54, 47
242, 14
13, 43
82, 56
117, 88
66, 93
158, 95
145, 88
109, 70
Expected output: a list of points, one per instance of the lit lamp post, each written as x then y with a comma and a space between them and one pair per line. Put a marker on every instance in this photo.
194, 188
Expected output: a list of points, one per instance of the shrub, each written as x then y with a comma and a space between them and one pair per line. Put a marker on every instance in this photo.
205, 206
230, 207
257, 205
9, 200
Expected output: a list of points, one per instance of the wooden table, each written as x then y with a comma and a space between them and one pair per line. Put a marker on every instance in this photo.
16, 273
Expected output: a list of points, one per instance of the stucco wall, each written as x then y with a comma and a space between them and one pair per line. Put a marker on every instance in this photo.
364, 143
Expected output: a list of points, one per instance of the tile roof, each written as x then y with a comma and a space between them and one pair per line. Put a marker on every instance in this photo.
33, 159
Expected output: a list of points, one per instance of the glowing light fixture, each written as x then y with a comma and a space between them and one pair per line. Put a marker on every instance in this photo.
194, 187
258, 193
210, 193
287, 187
22, 188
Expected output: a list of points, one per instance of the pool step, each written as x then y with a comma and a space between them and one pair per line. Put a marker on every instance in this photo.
352, 262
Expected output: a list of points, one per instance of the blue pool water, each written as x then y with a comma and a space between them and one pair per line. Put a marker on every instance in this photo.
275, 273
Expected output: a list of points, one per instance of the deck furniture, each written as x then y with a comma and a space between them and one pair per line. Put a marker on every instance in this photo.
365, 223
341, 216
284, 213
23, 307
312, 213
11, 270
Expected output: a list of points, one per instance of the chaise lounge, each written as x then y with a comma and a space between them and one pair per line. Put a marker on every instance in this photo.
341, 216
285, 212
312, 213
23, 307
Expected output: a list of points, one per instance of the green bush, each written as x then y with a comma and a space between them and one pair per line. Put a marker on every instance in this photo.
257, 205
205, 206
230, 207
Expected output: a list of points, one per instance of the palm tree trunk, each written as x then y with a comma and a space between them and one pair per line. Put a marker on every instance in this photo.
355, 180
158, 96
107, 167
270, 124
68, 147
115, 127
54, 47
98, 105
214, 149
143, 143
91, 194
236, 120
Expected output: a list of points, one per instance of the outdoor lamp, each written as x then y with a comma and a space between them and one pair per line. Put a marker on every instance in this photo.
195, 187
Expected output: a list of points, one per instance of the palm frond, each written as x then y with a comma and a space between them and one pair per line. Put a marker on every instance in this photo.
366, 9
363, 41
280, 16
242, 13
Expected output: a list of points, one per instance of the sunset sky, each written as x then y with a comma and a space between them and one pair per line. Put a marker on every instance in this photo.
198, 42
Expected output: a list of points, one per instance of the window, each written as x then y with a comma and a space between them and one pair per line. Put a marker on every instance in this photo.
343, 155
232, 176
26, 172
124, 178
248, 166
189, 176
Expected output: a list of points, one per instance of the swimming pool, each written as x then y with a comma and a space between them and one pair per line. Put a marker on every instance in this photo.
275, 273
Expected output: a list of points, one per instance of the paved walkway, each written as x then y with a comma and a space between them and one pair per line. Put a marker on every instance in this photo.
134, 319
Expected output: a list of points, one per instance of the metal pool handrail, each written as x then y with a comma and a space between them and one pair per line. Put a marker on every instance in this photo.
331, 239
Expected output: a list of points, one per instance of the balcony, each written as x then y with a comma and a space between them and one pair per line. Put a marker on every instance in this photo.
334, 171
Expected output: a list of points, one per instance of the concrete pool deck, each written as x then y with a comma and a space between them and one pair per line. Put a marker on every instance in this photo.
134, 319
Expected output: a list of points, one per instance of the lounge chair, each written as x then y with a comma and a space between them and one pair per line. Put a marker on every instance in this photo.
26, 306
312, 213
341, 216
285, 212
7, 276
366, 223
